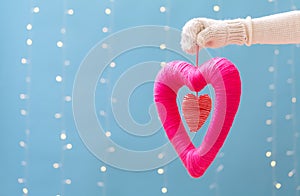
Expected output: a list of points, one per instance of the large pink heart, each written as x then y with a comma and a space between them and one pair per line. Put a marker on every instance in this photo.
225, 80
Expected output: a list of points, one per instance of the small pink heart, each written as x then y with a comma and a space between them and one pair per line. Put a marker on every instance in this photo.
196, 110
224, 77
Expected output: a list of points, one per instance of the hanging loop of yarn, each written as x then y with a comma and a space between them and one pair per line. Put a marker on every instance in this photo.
224, 77
196, 109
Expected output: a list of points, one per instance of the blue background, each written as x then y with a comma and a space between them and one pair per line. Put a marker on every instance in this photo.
242, 167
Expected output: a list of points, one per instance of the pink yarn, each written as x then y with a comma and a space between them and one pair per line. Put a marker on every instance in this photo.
224, 78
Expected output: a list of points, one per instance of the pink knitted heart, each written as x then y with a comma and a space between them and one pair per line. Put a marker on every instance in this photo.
225, 80
196, 110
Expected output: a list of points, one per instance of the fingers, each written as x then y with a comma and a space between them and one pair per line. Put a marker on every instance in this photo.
214, 36
189, 35
205, 38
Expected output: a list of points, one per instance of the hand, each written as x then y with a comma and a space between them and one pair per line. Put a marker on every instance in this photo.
211, 33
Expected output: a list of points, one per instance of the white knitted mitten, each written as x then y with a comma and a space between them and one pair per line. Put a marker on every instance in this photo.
281, 28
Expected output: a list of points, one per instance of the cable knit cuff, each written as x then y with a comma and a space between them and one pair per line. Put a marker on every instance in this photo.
237, 33
249, 30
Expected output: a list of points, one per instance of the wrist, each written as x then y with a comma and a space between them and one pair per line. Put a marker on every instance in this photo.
239, 31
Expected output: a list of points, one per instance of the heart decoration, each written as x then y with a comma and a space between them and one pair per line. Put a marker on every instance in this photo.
196, 110
224, 77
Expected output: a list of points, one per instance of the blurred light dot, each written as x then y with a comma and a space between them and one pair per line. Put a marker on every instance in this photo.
63, 30
289, 153
103, 169
68, 181
221, 154
270, 1
289, 80
36, 9
104, 45
269, 104
59, 44
102, 113
70, 12
114, 100
27, 131
25, 191
160, 156
291, 173
268, 154
290, 61
29, 42
294, 100
276, 52
100, 184
55, 165
57, 115
216, 8
107, 11
67, 63
160, 171
108, 133
22, 144
111, 149
278, 185
112, 64
273, 163
271, 86
58, 78
104, 29
298, 188
23, 163
63, 136
164, 190
69, 146
23, 112
68, 98
23, 60
162, 64
268, 122
23, 96
162, 9
288, 117
162, 46
28, 27
212, 186
269, 139
102, 80
220, 168
271, 69
21, 180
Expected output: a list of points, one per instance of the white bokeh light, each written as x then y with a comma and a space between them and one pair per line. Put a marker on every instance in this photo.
162, 9
36, 9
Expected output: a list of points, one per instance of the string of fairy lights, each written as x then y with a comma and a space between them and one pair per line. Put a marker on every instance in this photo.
26, 61
214, 186
274, 154
66, 99
293, 173
107, 29
164, 9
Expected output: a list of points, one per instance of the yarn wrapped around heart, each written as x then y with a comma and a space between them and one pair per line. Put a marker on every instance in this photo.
224, 77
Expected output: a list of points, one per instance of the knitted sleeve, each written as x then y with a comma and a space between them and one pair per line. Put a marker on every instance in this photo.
283, 28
